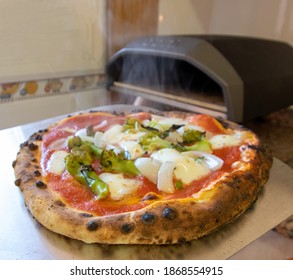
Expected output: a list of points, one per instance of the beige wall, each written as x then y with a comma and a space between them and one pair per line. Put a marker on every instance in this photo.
262, 18
50, 38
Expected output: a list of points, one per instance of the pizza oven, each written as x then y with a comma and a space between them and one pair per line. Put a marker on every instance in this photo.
237, 78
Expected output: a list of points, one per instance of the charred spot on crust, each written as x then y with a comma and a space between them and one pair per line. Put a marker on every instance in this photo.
14, 163
86, 215
93, 225
248, 176
39, 137
150, 196
60, 203
17, 182
32, 146
169, 213
181, 240
169, 240
114, 112
202, 226
41, 184
235, 183
37, 173
24, 144
148, 218
253, 147
36, 136
127, 228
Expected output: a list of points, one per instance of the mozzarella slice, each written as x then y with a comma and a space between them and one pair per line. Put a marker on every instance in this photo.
133, 148
111, 136
213, 162
188, 170
163, 123
56, 164
181, 129
171, 121
119, 186
224, 140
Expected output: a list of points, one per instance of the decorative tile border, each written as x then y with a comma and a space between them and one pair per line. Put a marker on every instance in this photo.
45, 87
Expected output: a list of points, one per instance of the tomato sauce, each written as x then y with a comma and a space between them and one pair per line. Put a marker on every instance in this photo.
207, 122
82, 198
229, 155
84, 120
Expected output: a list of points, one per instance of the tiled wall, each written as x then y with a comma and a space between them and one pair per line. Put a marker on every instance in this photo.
37, 88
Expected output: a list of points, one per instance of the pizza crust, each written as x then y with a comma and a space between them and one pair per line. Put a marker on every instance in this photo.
161, 222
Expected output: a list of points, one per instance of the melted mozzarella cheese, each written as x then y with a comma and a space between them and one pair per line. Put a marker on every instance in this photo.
163, 123
186, 168
115, 139
133, 148
56, 164
171, 121
213, 162
224, 140
111, 136
119, 186
82, 133
181, 129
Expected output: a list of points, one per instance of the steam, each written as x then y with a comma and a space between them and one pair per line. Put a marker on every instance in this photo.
168, 75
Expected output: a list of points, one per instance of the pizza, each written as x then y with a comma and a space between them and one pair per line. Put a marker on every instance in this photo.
140, 178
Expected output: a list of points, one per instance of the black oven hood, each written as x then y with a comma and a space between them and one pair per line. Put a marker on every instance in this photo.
238, 78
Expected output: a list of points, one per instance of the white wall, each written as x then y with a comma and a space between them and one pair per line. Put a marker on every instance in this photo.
261, 18
50, 38
36, 109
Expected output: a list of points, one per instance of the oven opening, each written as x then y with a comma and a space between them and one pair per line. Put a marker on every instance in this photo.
167, 80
